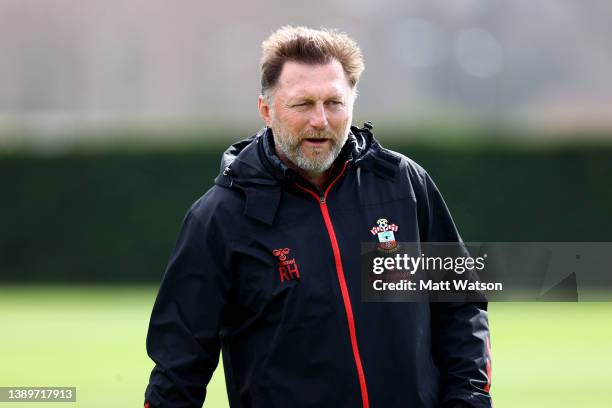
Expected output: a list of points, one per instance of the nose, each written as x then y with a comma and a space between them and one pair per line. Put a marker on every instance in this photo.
318, 117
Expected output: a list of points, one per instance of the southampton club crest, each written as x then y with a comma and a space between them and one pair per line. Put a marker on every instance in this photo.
384, 231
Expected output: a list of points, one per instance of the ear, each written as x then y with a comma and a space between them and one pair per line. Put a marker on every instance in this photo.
264, 110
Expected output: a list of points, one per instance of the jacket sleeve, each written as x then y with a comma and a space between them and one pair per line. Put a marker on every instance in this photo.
460, 331
183, 336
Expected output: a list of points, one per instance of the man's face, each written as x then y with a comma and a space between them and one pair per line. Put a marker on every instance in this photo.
310, 114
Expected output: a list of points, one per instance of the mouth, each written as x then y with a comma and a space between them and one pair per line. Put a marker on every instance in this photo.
316, 141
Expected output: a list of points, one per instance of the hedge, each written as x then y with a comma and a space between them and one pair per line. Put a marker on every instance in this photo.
112, 217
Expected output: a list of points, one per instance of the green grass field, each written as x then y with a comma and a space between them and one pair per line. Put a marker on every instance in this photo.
544, 354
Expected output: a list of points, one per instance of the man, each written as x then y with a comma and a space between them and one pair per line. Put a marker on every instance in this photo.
266, 266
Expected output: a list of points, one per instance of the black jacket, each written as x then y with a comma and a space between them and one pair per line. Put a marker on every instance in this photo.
266, 268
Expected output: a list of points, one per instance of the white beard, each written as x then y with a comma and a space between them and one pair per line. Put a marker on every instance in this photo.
290, 146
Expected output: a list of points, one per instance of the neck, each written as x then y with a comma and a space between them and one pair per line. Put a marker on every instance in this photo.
315, 178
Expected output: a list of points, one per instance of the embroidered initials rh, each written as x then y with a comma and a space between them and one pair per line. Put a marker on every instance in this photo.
287, 268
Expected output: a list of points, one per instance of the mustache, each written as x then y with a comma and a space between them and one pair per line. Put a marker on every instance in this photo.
324, 134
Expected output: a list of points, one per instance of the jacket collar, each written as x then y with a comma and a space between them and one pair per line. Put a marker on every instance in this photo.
252, 166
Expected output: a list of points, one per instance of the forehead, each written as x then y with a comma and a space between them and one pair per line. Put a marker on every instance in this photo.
312, 80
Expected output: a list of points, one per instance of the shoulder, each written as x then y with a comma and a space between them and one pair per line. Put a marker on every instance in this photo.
406, 170
409, 167
218, 203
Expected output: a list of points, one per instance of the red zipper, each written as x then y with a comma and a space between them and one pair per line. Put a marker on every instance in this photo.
343, 288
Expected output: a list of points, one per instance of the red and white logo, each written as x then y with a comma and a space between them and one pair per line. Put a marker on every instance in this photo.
384, 231
287, 268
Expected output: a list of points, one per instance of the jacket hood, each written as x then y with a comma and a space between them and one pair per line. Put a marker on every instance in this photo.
251, 165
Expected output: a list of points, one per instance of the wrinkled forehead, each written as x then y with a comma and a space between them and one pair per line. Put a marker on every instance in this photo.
313, 80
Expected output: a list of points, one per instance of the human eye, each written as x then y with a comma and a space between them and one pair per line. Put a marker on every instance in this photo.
335, 102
